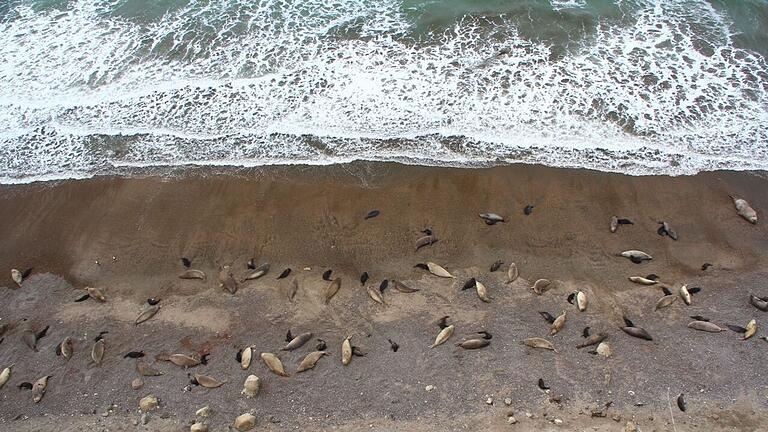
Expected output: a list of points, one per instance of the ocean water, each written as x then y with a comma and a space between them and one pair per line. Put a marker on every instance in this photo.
93, 87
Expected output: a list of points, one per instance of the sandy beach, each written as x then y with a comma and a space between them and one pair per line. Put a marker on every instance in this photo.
125, 236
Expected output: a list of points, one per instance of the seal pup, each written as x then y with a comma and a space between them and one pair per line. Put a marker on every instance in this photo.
363, 278
134, 354
685, 294
65, 348
245, 357
666, 229
227, 280
375, 295
153, 301
256, 272
383, 285
443, 322
541, 286
95, 294
427, 240
327, 275
491, 218
665, 301
97, 352
147, 314
5, 375
744, 209
585, 332
186, 262
321, 346
537, 342
16, 277
444, 335
581, 301
38, 388
759, 302
403, 288
293, 289
183, 360
631, 329
285, 273
251, 264
297, 342
592, 340
274, 364
393, 345
512, 273
251, 386
332, 289
372, 214
528, 210
495, 266
636, 256
346, 351
750, 330
705, 326
474, 344
681, 403
82, 298
642, 281
310, 360
207, 381
482, 292
558, 324
193, 274
28, 336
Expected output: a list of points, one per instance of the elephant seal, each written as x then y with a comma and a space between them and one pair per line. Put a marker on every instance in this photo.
744, 209
444, 335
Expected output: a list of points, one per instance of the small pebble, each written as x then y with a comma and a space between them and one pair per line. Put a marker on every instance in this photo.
558, 421
429, 388
203, 412
511, 420
507, 401
137, 384
489, 401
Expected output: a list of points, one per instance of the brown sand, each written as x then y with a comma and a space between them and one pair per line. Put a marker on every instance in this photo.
313, 217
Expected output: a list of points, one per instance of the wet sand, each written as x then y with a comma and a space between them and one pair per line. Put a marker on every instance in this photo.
313, 217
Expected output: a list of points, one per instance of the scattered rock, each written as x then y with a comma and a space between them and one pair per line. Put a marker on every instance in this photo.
429, 388
511, 420
204, 412
507, 401
489, 400
198, 427
245, 422
144, 419
630, 427
616, 418
137, 384
558, 421
529, 415
148, 403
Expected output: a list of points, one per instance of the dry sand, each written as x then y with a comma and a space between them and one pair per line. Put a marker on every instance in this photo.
313, 217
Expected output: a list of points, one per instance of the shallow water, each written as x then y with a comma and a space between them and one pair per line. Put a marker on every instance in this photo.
639, 87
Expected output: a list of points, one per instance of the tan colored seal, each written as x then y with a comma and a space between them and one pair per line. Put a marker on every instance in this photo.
297, 342
207, 381
245, 357
38, 388
5, 375
751, 329
375, 295
665, 301
96, 294
147, 314
346, 351
642, 281
332, 289
482, 292
686, 296
274, 364
705, 326
97, 352
541, 286
193, 274
745, 210
512, 273
536, 342
444, 335
438, 270
558, 324
581, 301
310, 361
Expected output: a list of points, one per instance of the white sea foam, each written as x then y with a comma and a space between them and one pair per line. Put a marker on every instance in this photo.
84, 91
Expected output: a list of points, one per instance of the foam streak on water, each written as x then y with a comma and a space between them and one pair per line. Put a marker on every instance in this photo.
651, 88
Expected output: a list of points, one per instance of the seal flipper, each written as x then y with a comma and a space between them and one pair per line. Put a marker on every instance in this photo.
469, 284
542, 385
547, 316
443, 322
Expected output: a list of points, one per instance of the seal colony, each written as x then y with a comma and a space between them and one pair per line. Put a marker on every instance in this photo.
468, 286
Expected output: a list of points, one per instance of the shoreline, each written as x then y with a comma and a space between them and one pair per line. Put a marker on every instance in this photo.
313, 217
